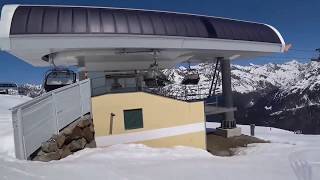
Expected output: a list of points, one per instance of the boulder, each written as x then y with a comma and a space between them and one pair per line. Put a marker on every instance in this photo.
92, 144
76, 133
92, 128
67, 131
87, 134
49, 146
84, 123
78, 144
86, 117
46, 157
40, 153
65, 152
76, 136
60, 139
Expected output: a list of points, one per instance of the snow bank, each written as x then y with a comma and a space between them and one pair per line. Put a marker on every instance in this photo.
6, 130
141, 162
9, 101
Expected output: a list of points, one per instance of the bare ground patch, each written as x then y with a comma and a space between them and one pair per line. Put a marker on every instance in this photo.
221, 146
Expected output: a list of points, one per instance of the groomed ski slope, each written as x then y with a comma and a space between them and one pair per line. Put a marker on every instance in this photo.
288, 157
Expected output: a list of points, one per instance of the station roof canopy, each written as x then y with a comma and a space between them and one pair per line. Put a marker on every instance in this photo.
111, 38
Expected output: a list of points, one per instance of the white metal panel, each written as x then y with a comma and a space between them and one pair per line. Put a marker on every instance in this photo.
18, 134
68, 106
43, 45
37, 124
35, 121
85, 94
41, 129
33, 116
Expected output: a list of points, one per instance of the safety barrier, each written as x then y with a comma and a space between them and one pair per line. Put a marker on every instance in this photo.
35, 121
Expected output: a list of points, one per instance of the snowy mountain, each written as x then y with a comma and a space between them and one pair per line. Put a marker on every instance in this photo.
30, 90
281, 95
289, 77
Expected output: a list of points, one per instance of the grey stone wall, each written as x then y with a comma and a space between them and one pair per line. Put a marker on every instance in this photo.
75, 137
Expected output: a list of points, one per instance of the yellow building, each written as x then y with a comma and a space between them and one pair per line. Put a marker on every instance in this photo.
153, 120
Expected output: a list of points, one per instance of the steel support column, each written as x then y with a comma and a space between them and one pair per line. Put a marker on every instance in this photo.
229, 121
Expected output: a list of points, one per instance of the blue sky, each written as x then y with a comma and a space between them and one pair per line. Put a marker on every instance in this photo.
297, 20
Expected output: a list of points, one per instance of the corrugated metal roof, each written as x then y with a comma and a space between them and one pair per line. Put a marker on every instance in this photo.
82, 20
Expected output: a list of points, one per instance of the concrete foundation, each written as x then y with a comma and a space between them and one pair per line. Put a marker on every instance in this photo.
228, 132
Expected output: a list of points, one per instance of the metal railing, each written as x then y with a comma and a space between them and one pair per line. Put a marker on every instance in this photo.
175, 91
35, 121
180, 92
175, 95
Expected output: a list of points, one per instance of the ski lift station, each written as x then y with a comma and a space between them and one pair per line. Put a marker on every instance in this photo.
121, 53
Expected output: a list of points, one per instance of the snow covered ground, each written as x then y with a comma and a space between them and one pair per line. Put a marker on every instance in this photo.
289, 156
6, 131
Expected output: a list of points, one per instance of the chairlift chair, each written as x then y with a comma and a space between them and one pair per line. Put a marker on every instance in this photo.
191, 77
154, 77
57, 78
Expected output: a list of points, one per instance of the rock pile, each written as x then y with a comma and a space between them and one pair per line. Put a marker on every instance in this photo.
75, 137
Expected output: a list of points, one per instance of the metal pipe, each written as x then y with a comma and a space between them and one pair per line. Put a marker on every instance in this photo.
111, 123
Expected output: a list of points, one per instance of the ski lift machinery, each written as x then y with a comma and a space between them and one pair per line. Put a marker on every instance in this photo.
191, 77
58, 77
154, 77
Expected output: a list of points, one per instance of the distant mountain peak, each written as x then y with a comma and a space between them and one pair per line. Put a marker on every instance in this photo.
280, 95
289, 76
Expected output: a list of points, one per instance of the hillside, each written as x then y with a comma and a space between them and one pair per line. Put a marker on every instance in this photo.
279, 95
30, 90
